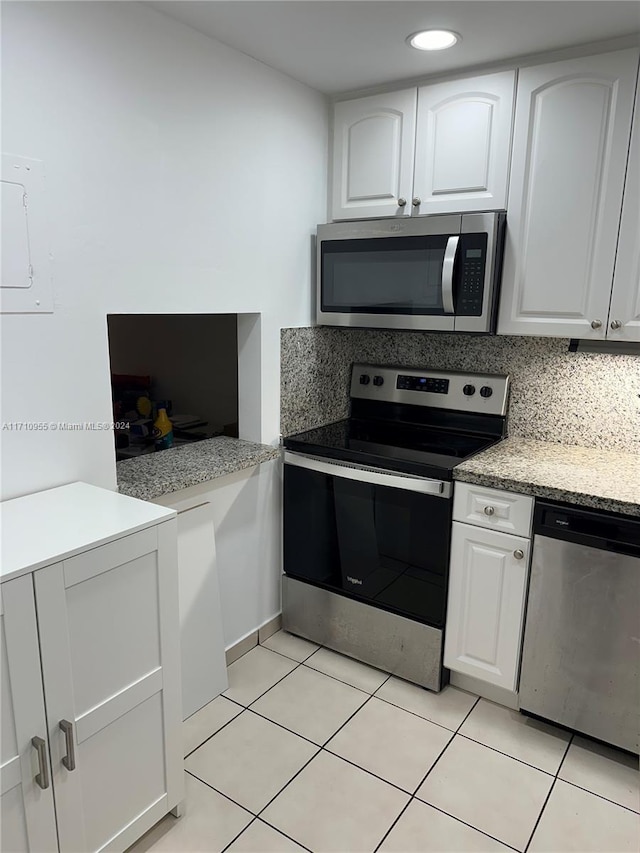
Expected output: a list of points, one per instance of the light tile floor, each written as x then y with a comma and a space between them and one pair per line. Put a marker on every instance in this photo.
309, 750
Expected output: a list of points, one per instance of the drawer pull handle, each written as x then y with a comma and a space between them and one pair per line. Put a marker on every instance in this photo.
489, 510
42, 778
69, 760
518, 554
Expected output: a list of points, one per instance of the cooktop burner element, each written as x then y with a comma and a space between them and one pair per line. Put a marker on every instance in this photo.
416, 421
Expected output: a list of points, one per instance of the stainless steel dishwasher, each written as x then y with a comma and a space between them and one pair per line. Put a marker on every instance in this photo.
581, 657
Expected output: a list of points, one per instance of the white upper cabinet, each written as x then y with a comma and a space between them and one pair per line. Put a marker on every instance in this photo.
463, 141
624, 313
373, 146
439, 149
570, 147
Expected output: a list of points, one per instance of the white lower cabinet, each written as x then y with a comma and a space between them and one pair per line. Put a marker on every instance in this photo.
26, 805
97, 681
487, 590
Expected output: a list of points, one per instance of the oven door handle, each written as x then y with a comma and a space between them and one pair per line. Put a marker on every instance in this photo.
374, 476
447, 274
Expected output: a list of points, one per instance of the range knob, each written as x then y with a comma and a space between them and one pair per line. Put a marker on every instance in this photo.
378, 380
365, 379
469, 390
486, 391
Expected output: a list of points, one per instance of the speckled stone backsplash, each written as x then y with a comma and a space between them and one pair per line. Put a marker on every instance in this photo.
585, 399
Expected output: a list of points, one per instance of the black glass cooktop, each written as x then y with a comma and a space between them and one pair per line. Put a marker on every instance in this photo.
415, 449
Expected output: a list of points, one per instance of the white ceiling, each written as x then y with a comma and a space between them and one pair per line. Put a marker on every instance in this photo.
342, 45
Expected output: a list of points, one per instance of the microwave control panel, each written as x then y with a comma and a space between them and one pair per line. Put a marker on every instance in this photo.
472, 261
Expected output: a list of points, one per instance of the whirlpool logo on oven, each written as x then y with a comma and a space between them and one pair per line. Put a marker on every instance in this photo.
355, 581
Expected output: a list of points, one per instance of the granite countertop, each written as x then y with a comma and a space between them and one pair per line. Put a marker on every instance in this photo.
155, 474
604, 479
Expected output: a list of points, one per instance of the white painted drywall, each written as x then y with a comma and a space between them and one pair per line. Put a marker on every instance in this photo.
181, 176
246, 517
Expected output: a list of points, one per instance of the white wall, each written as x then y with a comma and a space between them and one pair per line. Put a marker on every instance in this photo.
182, 176
246, 516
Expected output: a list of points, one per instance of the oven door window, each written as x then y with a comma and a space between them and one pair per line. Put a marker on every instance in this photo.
391, 275
384, 545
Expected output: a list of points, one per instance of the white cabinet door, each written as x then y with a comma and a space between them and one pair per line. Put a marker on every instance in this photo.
108, 622
624, 313
373, 145
26, 801
570, 144
463, 141
203, 664
487, 582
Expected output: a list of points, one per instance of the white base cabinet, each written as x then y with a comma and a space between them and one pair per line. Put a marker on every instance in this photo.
488, 571
487, 585
26, 805
105, 656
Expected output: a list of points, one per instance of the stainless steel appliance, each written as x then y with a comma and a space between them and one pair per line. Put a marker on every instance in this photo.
581, 658
367, 514
434, 272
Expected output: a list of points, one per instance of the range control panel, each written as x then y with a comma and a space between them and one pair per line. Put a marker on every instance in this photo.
422, 383
464, 392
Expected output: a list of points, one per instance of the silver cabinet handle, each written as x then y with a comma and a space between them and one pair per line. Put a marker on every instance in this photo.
402, 202
42, 778
518, 554
416, 202
447, 274
69, 760
489, 510
596, 324
616, 324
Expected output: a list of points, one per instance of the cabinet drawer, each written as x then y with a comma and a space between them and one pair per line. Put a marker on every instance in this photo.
493, 508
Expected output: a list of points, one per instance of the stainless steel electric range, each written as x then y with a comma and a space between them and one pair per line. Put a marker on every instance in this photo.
367, 514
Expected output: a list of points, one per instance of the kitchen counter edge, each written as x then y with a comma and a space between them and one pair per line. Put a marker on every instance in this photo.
153, 475
603, 479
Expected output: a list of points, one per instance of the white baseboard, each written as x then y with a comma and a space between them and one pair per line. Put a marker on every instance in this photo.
258, 636
269, 628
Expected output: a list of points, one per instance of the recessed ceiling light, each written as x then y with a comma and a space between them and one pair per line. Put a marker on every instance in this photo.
433, 39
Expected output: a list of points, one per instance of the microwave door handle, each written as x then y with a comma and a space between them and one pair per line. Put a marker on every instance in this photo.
447, 274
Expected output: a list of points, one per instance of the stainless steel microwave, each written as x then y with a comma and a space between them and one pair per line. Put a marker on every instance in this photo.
439, 273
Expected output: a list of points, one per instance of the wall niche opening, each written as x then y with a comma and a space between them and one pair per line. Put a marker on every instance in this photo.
185, 363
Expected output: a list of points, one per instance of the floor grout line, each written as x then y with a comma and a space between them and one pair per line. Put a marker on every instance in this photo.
342, 681
506, 754
600, 796
544, 805
275, 828
464, 822
207, 739
415, 714
286, 728
236, 837
222, 793
384, 837
324, 747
